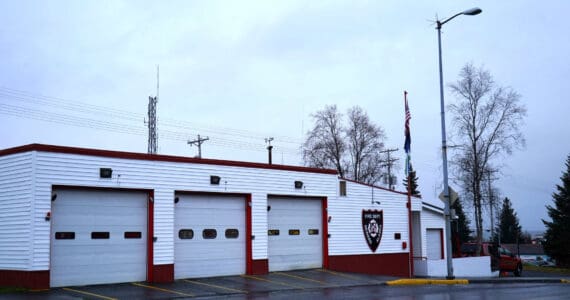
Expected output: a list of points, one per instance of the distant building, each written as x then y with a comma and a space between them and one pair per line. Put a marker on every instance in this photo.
527, 252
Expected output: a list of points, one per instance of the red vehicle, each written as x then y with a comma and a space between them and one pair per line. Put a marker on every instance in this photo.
501, 258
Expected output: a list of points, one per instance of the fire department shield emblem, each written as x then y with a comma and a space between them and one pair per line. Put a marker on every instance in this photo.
372, 225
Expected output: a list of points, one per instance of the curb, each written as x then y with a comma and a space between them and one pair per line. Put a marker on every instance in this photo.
420, 281
426, 281
519, 280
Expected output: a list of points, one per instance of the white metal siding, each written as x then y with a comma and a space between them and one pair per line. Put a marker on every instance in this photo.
165, 178
220, 256
345, 227
289, 251
16, 200
431, 219
85, 260
417, 233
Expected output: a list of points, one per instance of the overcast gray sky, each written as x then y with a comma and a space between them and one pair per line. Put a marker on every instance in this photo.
79, 73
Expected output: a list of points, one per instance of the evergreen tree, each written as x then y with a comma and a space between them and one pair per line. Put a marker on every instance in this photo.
526, 238
414, 183
460, 232
509, 227
557, 235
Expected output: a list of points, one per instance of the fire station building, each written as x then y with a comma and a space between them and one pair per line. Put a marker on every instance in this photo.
74, 216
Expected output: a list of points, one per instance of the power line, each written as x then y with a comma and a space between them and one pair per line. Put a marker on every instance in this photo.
64, 119
58, 118
75, 106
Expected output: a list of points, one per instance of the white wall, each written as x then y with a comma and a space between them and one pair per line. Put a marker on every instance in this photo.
16, 234
345, 228
462, 267
432, 220
165, 178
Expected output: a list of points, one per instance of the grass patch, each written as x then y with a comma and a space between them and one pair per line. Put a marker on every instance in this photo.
530, 267
7, 290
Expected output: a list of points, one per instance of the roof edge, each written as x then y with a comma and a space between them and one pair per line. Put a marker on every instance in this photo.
157, 157
378, 187
433, 207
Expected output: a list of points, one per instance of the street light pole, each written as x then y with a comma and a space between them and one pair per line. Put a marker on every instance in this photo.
469, 12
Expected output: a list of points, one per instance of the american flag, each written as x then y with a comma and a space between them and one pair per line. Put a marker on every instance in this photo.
408, 140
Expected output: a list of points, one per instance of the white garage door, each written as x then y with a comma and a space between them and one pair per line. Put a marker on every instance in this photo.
295, 234
98, 237
434, 244
209, 235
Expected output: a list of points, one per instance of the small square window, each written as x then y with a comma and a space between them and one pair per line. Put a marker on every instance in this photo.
342, 188
397, 236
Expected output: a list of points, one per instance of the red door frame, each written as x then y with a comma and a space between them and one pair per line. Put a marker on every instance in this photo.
441, 241
248, 220
442, 247
324, 206
150, 218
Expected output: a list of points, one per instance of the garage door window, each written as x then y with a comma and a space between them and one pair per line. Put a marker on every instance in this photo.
273, 232
133, 235
294, 232
97, 235
65, 235
313, 232
232, 233
186, 234
209, 234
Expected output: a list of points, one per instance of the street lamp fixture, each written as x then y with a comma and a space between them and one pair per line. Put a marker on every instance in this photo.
469, 12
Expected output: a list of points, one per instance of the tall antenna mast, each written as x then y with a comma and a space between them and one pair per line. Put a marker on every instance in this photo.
157, 80
152, 127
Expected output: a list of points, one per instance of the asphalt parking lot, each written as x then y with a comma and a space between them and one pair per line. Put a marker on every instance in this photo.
211, 287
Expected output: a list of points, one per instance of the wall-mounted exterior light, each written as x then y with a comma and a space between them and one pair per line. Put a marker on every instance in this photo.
298, 184
215, 180
105, 172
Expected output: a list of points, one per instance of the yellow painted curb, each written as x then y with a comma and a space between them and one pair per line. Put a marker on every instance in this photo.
427, 281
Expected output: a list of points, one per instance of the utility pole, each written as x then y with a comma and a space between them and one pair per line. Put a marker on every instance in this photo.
152, 127
269, 147
199, 143
389, 162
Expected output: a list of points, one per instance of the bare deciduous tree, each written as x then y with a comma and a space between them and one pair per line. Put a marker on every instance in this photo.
324, 146
353, 150
487, 119
364, 141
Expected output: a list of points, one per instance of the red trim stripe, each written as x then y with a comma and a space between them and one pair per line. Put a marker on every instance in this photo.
150, 238
441, 243
248, 237
325, 233
157, 157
